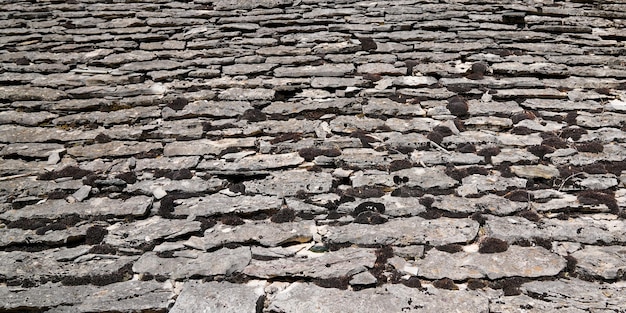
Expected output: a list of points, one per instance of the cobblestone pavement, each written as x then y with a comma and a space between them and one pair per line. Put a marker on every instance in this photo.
312, 156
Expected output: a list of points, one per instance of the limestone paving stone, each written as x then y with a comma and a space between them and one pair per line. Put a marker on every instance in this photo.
148, 230
607, 262
217, 297
218, 203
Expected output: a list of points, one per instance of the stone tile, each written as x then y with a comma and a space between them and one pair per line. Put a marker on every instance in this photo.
607, 262
331, 70
113, 149
218, 297
289, 183
146, 231
578, 294
206, 146
257, 162
218, 204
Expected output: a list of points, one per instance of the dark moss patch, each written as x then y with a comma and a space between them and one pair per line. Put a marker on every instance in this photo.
57, 194
364, 137
412, 282
570, 119
153, 153
254, 115
460, 173
522, 130
397, 165
336, 282
466, 148
477, 71
95, 235
450, 248
431, 214
286, 137
510, 286
166, 206
178, 104
28, 223
458, 106
489, 151
526, 115
570, 266
400, 180
22, 61
475, 284
365, 192
68, 171
572, 132
445, 283
543, 242
367, 44
103, 249
59, 224
310, 153
435, 137
102, 138
591, 147
540, 150
174, 174
427, 201
551, 140
493, 245
284, 215
232, 220
478, 217
443, 130
406, 192
592, 197
205, 223
382, 255
372, 77
369, 217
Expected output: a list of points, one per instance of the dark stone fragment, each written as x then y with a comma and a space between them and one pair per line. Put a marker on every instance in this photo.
370, 217
95, 235
572, 132
410, 64
57, 194
592, 147
489, 151
530, 215
128, 177
166, 206
435, 137
365, 192
481, 219
175, 174
412, 282
540, 150
593, 197
522, 130
369, 206
69, 171
514, 18
178, 104
284, 215
368, 44
526, 115
22, 61
152, 154
232, 220
254, 115
570, 267
450, 248
397, 165
286, 137
519, 196
492, 245
237, 188
443, 130
30, 224
372, 77
445, 283
474, 284
427, 201
337, 282
102, 138
103, 249
466, 148
571, 118
457, 106
431, 214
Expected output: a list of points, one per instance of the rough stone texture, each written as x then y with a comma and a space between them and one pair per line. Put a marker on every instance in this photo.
144, 144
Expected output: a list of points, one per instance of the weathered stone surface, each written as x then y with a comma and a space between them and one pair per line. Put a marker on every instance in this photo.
427, 178
301, 297
516, 261
25, 118
256, 162
405, 231
217, 297
206, 146
240, 94
193, 185
32, 150
187, 264
340, 263
246, 5
314, 71
535, 171
289, 183
264, 233
575, 293
134, 206
165, 163
490, 204
20, 93
146, 231
209, 108
608, 262
474, 184
113, 149
217, 204
128, 296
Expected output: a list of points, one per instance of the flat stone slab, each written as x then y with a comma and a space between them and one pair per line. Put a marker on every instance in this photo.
405, 231
582, 295
265, 233
146, 231
113, 149
52, 209
206, 146
288, 183
223, 297
218, 204
314, 71
192, 263
161, 186
489, 204
340, 263
306, 297
608, 262
258, 162
516, 261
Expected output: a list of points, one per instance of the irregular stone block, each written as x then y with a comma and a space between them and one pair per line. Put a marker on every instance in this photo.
21, 93
314, 71
608, 262
193, 185
289, 183
240, 94
516, 261
535, 171
405, 231
427, 178
475, 183
113, 149
221, 297
143, 232
583, 295
32, 150
165, 163
340, 263
258, 162
488, 204
206, 146
218, 204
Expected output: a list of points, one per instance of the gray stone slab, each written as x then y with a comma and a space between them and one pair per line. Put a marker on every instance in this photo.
20, 93
218, 204
206, 146
223, 262
289, 183
135, 234
405, 231
113, 149
167, 163
608, 262
442, 158
227, 5
45, 296
331, 70
265, 233
575, 293
128, 296
427, 178
257, 162
306, 297
516, 261
303, 105
488, 204
340, 263
209, 108
475, 184
52, 209
222, 297
32, 150
25, 118
160, 185
241, 94
15, 134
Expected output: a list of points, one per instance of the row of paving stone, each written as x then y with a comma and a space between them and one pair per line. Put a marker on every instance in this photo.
312, 156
